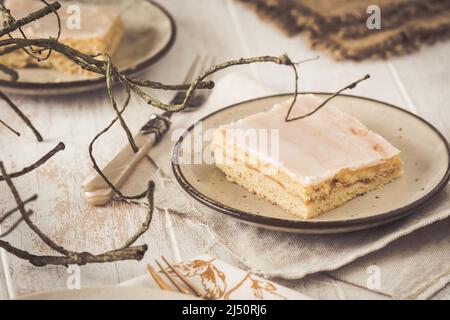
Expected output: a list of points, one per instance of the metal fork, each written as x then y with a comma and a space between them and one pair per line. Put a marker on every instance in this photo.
186, 286
197, 100
97, 192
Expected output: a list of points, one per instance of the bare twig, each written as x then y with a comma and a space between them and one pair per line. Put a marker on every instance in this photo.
109, 79
60, 146
53, 7
70, 257
82, 258
282, 60
114, 73
24, 118
58, 35
161, 86
87, 62
13, 74
7, 126
350, 86
20, 205
148, 220
10, 212
94, 161
15, 225
103, 65
10, 21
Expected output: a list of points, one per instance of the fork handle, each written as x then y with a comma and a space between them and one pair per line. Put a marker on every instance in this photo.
97, 192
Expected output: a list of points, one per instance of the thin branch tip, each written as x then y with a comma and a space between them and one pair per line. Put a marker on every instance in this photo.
350, 86
307, 60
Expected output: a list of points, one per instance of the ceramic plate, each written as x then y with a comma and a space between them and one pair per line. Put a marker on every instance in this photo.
424, 151
149, 34
108, 293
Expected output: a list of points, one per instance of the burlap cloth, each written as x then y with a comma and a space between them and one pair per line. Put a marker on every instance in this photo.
416, 268
340, 26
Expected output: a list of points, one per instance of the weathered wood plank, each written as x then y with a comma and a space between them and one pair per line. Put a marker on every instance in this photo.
425, 76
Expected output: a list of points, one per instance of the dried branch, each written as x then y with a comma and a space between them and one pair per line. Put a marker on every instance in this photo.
109, 83
94, 161
15, 225
7, 126
9, 213
70, 257
92, 64
25, 215
24, 118
13, 74
87, 62
8, 19
350, 86
59, 147
12, 26
114, 73
82, 258
161, 86
148, 220
103, 65
58, 19
281, 60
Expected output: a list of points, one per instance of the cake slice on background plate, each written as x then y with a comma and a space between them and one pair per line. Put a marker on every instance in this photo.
98, 29
308, 166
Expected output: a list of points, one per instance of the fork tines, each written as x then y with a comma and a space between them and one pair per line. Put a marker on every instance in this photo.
184, 286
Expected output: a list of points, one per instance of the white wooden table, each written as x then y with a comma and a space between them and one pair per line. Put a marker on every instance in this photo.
418, 82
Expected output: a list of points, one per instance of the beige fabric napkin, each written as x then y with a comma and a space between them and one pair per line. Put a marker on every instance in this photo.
276, 254
219, 280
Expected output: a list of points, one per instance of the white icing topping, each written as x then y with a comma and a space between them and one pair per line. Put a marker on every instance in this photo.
315, 148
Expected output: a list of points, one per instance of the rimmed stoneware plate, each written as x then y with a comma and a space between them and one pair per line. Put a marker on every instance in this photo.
108, 293
149, 34
425, 153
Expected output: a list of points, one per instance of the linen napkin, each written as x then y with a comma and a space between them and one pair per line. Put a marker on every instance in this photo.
414, 267
219, 280
273, 254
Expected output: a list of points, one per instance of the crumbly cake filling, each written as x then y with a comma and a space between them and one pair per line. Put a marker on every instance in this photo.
272, 190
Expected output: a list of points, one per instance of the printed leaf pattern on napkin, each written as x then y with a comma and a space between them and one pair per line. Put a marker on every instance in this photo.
215, 283
212, 279
261, 289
